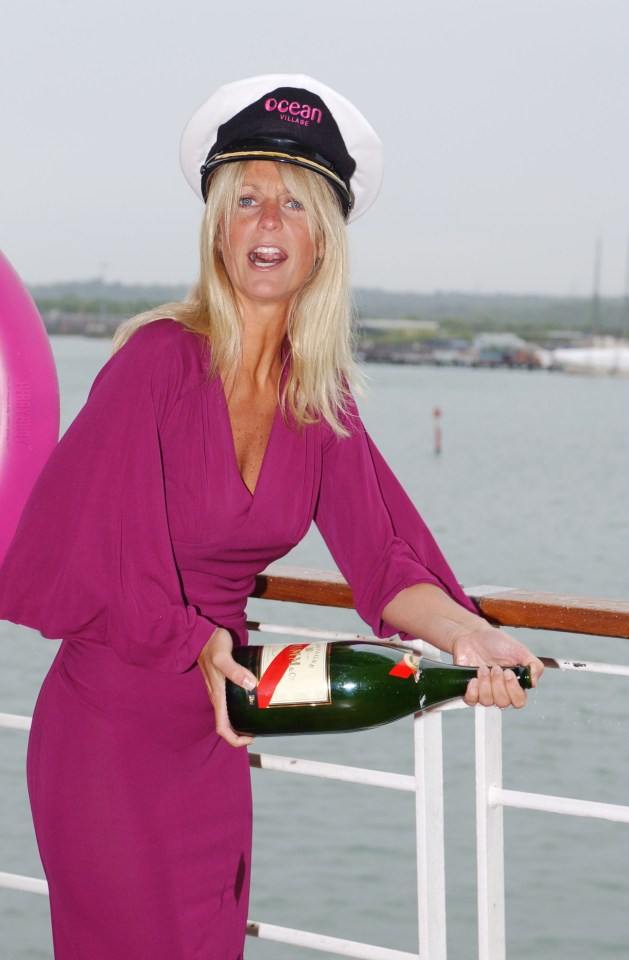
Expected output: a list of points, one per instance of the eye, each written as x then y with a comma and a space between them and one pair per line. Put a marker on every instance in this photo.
246, 202
295, 204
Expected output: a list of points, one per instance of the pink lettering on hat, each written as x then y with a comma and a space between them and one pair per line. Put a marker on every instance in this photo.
294, 108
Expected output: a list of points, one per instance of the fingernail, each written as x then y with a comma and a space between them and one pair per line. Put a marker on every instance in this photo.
483, 671
248, 683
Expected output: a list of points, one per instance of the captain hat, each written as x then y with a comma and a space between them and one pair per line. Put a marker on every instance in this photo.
290, 118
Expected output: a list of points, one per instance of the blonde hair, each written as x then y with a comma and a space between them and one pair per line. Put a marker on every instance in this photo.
321, 368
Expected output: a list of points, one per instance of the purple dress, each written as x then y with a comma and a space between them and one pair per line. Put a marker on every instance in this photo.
138, 539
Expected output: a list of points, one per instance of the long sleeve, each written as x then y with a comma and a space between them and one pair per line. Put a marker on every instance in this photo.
92, 557
374, 532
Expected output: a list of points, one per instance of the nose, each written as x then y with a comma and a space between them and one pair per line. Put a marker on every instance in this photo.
270, 215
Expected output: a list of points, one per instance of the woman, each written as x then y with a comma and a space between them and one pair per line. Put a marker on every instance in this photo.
218, 431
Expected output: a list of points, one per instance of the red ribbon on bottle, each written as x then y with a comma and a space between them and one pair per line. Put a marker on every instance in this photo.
273, 674
403, 669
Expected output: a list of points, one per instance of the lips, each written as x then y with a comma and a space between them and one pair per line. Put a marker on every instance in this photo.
264, 256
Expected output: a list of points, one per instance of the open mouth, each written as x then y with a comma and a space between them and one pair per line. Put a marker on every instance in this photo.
267, 256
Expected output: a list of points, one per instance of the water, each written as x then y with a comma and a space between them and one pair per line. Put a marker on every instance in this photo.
530, 490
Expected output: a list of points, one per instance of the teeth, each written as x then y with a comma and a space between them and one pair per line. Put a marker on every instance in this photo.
264, 255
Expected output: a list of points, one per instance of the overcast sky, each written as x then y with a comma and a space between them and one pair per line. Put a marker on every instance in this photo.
505, 126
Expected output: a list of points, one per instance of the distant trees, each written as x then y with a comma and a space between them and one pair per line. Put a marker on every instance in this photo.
455, 314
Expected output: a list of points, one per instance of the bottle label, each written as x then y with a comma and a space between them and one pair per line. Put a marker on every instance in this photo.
293, 674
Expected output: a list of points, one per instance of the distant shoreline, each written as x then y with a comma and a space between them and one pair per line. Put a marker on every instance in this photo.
564, 351
96, 308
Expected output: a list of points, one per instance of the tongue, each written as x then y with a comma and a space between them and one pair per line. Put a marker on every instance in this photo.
260, 256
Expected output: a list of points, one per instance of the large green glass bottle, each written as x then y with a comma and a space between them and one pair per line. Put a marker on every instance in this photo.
340, 686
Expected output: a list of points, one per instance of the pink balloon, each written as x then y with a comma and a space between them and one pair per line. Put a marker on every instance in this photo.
29, 399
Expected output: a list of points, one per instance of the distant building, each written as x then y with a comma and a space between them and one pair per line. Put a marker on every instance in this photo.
502, 349
425, 326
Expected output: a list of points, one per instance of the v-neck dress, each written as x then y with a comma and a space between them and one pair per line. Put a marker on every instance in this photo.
139, 538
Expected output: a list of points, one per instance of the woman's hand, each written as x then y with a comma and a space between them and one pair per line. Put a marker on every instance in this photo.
492, 649
216, 664
425, 610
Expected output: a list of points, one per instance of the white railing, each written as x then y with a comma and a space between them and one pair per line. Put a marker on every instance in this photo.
491, 799
427, 786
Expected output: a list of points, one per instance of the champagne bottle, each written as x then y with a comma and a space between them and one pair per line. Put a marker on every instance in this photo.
340, 686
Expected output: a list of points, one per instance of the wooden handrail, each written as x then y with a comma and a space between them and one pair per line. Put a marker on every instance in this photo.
502, 606
323, 588
554, 611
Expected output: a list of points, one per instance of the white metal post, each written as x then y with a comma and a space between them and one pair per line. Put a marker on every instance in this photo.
490, 835
431, 879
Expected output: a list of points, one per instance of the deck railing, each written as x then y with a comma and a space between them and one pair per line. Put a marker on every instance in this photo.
505, 607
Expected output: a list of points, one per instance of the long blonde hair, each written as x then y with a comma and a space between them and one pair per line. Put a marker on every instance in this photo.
321, 367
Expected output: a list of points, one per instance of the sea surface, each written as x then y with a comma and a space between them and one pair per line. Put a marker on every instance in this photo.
531, 490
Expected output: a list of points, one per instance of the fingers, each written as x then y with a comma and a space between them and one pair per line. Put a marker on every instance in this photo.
471, 694
495, 687
217, 665
217, 656
233, 671
537, 669
226, 731
216, 689
227, 666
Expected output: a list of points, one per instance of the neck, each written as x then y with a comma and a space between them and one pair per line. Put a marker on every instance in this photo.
264, 331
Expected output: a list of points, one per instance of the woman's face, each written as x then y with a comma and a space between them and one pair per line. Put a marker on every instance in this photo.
269, 253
